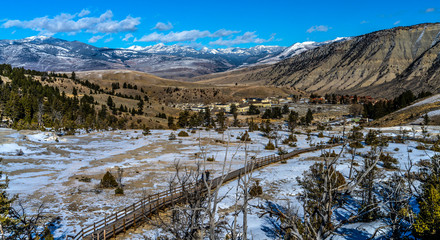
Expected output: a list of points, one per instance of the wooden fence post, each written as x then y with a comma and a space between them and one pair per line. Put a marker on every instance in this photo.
105, 237
134, 220
114, 231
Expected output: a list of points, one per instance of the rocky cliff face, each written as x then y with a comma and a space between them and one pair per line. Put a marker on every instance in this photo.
381, 63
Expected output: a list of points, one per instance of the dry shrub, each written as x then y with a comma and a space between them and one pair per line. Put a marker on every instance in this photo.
269, 146
256, 189
183, 134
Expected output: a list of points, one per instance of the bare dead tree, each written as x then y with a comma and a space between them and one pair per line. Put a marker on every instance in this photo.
27, 225
195, 215
368, 200
396, 196
185, 218
353, 155
242, 197
324, 191
244, 182
119, 175
213, 197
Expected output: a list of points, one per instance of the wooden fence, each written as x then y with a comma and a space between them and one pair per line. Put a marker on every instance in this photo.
136, 214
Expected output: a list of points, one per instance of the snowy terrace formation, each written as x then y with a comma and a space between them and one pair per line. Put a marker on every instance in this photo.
44, 167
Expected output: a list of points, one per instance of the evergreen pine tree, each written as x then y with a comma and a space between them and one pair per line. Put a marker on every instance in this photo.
309, 117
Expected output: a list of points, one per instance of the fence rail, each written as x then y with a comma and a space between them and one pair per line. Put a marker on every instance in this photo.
137, 213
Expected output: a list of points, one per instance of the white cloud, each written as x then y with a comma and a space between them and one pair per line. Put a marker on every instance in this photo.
224, 33
364, 22
83, 13
320, 28
72, 24
428, 10
247, 37
108, 40
127, 37
191, 35
396, 22
160, 26
95, 38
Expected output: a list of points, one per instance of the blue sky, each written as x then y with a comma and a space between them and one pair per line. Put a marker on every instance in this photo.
212, 24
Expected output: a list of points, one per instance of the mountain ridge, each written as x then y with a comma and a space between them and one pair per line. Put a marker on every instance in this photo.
168, 61
382, 63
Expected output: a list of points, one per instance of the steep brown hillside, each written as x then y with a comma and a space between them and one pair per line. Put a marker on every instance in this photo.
382, 63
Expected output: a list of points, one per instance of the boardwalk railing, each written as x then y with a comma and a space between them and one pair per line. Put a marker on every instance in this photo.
137, 213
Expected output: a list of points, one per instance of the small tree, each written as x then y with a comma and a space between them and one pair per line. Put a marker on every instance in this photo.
221, 119
252, 126
234, 112
172, 136
110, 102
388, 161
108, 181
146, 131
425, 119
269, 146
285, 109
119, 191
292, 121
427, 224
371, 138
369, 210
266, 128
309, 117
253, 110
245, 137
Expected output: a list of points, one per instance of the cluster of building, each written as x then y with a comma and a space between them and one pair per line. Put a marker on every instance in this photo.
242, 106
270, 102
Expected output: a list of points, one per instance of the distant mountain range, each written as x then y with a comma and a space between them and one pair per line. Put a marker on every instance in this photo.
176, 62
383, 63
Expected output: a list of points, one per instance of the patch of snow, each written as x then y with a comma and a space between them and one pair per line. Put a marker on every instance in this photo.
429, 100
49, 137
10, 148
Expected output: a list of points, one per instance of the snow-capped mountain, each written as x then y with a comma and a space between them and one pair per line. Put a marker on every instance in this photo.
170, 61
296, 49
161, 48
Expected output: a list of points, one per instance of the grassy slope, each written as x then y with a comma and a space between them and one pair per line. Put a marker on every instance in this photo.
157, 89
409, 114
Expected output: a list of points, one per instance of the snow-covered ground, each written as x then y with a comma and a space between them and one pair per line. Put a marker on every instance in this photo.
50, 168
43, 167
280, 186
431, 114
